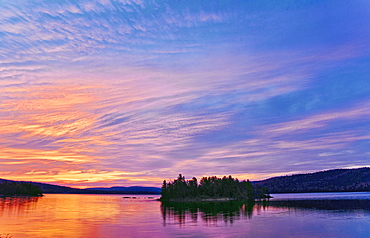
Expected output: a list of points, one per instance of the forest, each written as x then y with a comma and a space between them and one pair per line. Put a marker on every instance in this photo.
211, 188
336, 180
8, 188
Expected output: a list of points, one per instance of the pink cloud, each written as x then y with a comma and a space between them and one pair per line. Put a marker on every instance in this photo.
321, 120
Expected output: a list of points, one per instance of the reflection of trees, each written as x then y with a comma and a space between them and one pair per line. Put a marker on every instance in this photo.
229, 211
210, 212
17, 205
324, 204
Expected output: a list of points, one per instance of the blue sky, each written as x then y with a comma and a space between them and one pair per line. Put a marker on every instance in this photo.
113, 92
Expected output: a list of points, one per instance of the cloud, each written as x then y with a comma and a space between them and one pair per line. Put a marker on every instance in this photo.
38, 121
336, 153
322, 120
126, 91
28, 156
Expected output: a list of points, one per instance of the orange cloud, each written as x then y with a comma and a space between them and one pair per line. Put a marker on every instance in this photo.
25, 156
48, 111
83, 178
51, 128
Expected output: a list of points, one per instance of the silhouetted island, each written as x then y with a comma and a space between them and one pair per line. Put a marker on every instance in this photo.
211, 189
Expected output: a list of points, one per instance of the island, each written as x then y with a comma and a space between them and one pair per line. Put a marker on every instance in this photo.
8, 188
211, 189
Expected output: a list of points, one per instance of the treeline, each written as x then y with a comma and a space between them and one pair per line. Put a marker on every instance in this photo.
337, 180
23, 189
211, 187
56, 189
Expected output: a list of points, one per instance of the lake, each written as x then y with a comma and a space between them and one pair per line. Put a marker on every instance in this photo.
286, 215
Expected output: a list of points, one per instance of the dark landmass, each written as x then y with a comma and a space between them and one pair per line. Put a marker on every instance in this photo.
336, 180
136, 189
56, 189
10, 188
211, 189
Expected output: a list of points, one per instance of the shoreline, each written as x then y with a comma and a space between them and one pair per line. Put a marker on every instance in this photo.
222, 199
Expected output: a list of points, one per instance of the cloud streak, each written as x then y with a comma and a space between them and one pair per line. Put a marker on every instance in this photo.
101, 93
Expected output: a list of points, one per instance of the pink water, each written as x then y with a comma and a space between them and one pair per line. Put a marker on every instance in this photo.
68, 215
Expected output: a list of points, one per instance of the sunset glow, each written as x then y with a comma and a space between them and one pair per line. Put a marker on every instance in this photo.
100, 93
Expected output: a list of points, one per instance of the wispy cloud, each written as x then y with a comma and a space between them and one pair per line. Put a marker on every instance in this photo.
359, 113
109, 92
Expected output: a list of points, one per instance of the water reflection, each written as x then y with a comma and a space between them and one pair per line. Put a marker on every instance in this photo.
16, 206
80, 216
347, 205
209, 212
229, 211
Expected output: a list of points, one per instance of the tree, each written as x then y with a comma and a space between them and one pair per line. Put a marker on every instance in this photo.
19, 188
211, 187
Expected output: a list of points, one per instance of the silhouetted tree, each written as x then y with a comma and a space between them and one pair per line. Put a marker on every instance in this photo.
19, 188
211, 187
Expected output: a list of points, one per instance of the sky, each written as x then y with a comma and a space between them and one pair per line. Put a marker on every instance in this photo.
100, 93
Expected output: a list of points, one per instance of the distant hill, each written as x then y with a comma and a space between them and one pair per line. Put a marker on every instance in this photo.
49, 188
336, 180
137, 189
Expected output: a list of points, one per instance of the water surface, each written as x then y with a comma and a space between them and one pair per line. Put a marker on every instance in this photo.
287, 215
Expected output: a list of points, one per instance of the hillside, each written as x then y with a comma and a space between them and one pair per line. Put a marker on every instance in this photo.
132, 189
49, 188
337, 180
9, 188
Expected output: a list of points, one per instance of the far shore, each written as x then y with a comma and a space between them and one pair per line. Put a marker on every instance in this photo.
222, 199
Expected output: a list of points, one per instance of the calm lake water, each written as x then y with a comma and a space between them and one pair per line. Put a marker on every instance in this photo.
287, 215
